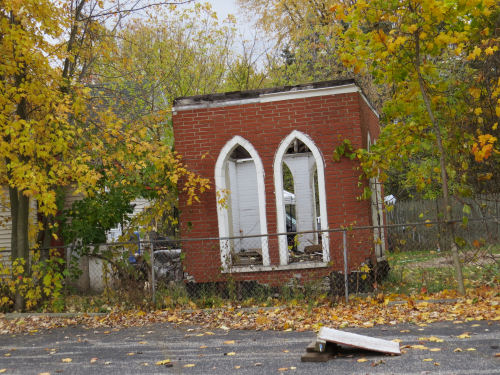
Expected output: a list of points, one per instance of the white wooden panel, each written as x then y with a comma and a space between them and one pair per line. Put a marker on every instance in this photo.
302, 167
358, 341
248, 204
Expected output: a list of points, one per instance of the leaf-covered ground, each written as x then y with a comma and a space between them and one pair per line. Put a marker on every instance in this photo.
478, 304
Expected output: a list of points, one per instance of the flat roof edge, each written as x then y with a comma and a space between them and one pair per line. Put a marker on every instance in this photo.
221, 100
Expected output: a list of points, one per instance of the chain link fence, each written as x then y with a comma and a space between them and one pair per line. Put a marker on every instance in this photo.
334, 264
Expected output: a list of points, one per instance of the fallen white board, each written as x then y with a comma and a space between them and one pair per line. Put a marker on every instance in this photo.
358, 341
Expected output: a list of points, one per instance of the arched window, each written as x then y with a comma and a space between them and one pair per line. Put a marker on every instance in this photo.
241, 206
303, 159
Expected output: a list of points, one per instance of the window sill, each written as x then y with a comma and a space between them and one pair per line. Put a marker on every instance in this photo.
261, 268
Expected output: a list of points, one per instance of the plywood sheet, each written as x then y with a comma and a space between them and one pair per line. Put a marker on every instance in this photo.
358, 341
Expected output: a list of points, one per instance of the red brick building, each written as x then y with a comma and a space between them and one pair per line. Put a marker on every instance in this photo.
242, 142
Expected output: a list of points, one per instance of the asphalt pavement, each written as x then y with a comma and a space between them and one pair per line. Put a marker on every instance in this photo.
466, 348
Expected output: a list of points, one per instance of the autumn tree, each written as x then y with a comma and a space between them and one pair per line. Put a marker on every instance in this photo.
437, 58
53, 133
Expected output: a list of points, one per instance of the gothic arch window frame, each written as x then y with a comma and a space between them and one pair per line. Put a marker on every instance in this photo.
278, 188
222, 210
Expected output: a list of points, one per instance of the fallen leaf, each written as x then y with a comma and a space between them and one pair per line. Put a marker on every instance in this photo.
436, 363
203, 347
435, 350
66, 360
229, 342
258, 364
427, 360
93, 360
432, 339
41, 373
293, 368
108, 362
209, 333
421, 347
396, 340
189, 365
464, 335
283, 369
237, 367
457, 350
362, 360
164, 362
497, 355
230, 353
285, 351
143, 342
131, 353
2, 370
7, 355
470, 349
405, 330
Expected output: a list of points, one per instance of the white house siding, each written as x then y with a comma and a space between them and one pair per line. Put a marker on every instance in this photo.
6, 224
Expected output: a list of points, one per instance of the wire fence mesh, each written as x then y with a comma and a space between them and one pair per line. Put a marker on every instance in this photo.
396, 258
335, 264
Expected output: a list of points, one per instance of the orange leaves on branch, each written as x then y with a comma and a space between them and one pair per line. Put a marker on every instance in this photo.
484, 147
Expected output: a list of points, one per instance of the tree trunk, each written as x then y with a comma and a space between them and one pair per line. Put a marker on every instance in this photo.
442, 165
444, 185
19, 208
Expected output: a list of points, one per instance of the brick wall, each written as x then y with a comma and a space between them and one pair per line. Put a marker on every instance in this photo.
327, 120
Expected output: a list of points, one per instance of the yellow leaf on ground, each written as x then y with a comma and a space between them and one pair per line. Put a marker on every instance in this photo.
189, 365
283, 369
93, 360
131, 353
435, 349
427, 360
237, 367
470, 349
464, 336
203, 347
229, 342
164, 362
66, 360
457, 350
362, 360
396, 340
436, 363
2, 370
209, 333
231, 353
421, 347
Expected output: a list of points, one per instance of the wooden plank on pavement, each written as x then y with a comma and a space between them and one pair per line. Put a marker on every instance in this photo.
358, 341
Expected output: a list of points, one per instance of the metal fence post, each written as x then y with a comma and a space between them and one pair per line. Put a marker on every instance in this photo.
346, 283
153, 287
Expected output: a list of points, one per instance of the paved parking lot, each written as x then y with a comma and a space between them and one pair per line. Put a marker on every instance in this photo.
467, 348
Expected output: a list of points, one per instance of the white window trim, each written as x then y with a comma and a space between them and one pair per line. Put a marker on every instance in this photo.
222, 212
278, 191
